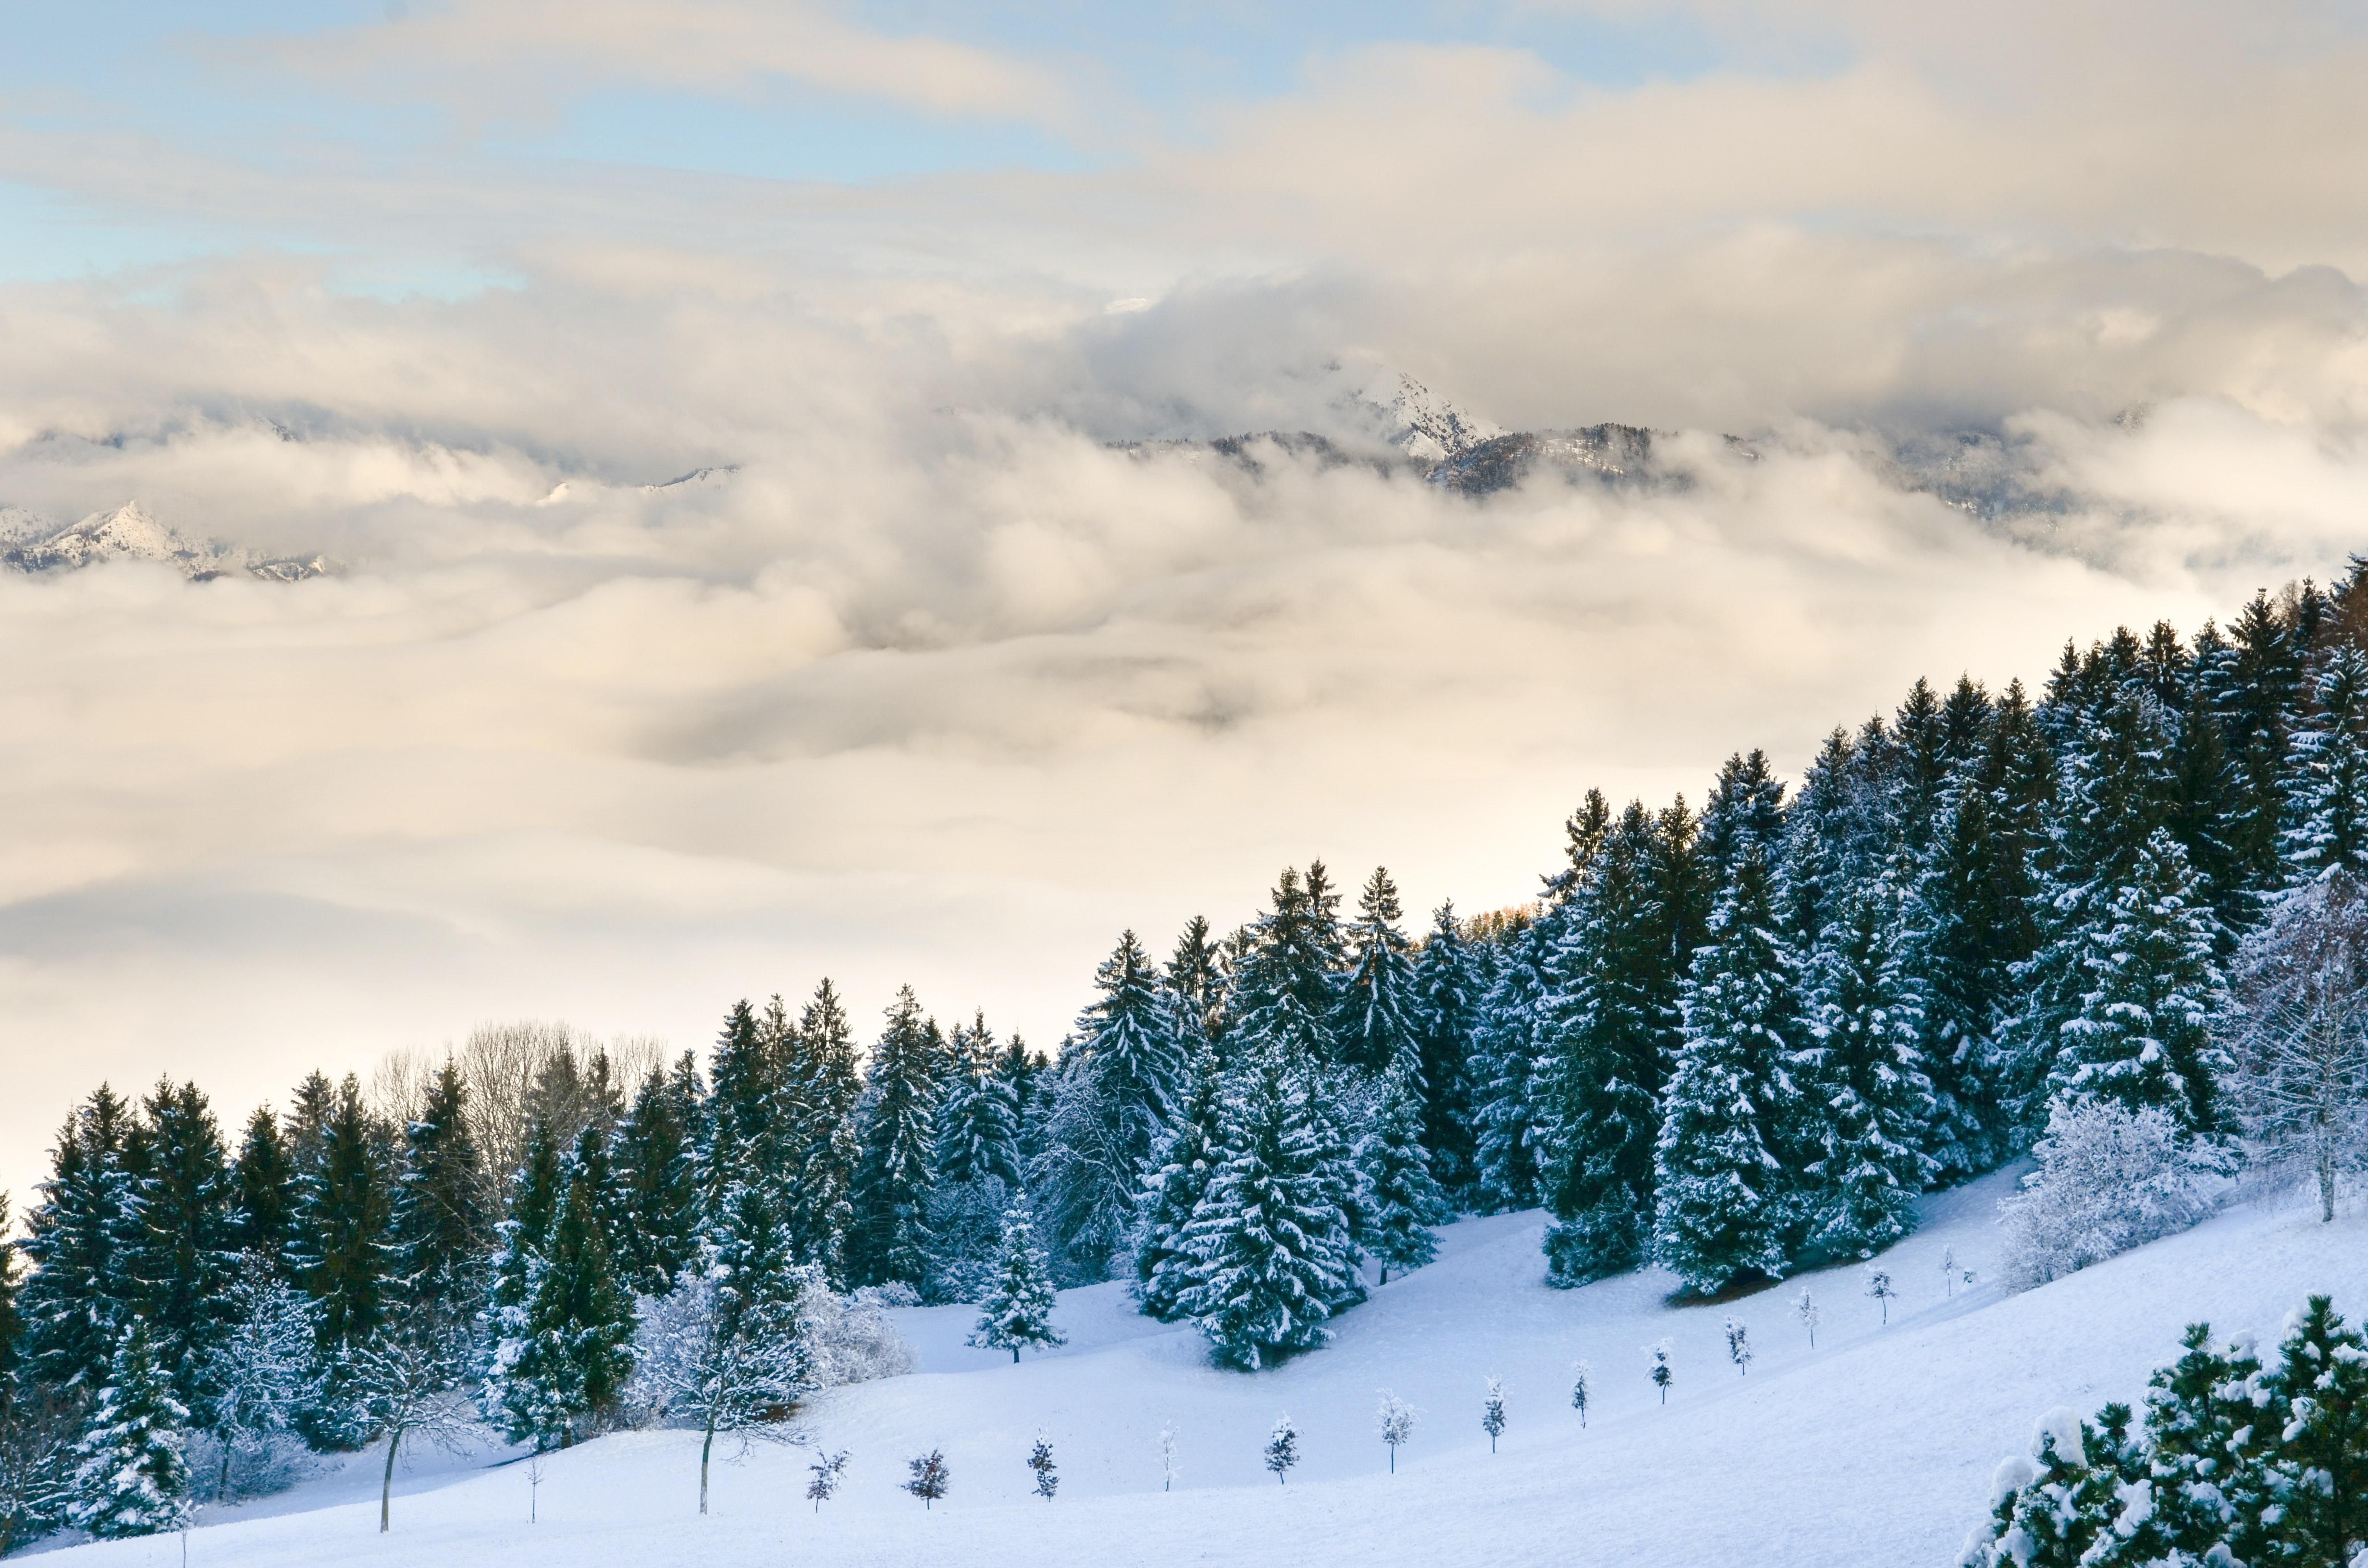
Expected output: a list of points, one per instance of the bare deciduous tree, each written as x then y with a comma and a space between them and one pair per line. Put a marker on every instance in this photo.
2299, 1035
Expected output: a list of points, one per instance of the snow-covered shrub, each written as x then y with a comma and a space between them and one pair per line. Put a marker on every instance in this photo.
2108, 1179
849, 1338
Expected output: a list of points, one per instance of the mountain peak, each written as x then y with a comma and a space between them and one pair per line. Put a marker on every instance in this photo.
29, 542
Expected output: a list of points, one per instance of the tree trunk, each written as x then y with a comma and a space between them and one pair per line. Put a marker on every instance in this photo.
2325, 1183
386, 1486
705, 1448
1014, 1355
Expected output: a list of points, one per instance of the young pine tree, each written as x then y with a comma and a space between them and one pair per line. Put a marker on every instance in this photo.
442, 1232
1446, 1003
79, 1298
1018, 1311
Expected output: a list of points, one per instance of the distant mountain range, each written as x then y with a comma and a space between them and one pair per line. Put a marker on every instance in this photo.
30, 542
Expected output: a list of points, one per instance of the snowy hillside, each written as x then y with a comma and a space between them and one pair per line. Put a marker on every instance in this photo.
1875, 1448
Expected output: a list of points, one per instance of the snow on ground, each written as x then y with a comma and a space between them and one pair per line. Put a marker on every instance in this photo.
1874, 1449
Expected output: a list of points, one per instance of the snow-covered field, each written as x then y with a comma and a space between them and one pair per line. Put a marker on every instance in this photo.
1874, 1448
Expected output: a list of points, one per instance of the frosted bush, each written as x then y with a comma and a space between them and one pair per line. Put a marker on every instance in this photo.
849, 1337
2108, 1179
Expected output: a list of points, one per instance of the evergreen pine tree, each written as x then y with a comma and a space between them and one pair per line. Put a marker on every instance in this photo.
1864, 1071
1405, 1202
442, 1232
821, 1200
2052, 1508
1199, 988
1187, 1160
2210, 1423
1503, 1069
1377, 1016
1268, 1252
179, 1249
2327, 800
2141, 1032
656, 1167
2319, 1476
78, 1300
1608, 1017
566, 1365
131, 1478
1018, 1311
1722, 1206
1446, 1010
263, 1221
890, 1240
343, 1255
1283, 993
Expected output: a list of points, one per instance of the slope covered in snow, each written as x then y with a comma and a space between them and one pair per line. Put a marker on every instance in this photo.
1875, 1448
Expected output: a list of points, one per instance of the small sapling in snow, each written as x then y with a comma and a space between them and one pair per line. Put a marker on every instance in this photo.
827, 1470
1492, 1411
930, 1477
1661, 1363
1738, 1346
1168, 1458
1878, 1284
1040, 1460
1281, 1449
1805, 1308
1396, 1419
1581, 1377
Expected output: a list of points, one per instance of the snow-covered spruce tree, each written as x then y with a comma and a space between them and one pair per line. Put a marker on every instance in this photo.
1447, 999
2108, 1179
977, 1167
1122, 1081
130, 1474
1282, 1450
179, 1252
929, 1477
2298, 1037
2327, 795
38, 1427
2211, 1422
1187, 1160
344, 1254
1394, 1419
1404, 1202
1283, 997
260, 1374
722, 1352
899, 1135
2050, 1510
78, 1301
1721, 1207
2318, 1475
1198, 986
2118, 786
655, 1168
442, 1232
403, 1384
1503, 1064
563, 1357
2141, 1034
825, 1147
1378, 1011
1863, 1074
1040, 1460
1609, 1010
1492, 1412
1267, 1254
263, 1214
1018, 1311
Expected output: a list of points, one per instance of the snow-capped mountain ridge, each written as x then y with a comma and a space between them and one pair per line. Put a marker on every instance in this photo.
29, 542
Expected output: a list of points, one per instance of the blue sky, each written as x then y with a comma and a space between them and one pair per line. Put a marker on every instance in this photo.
204, 83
